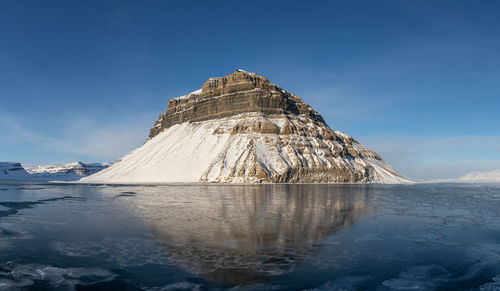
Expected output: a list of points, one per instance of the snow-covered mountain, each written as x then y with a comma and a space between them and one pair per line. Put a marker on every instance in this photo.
243, 128
485, 176
66, 172
13, 171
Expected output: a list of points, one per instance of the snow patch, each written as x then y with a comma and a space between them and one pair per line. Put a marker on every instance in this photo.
240, 70
478, 177
195, 92
13, 171
67, 172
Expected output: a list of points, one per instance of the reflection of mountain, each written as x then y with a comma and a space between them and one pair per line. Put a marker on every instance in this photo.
237, 234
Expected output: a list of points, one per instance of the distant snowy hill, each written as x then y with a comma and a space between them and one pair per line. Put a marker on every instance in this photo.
486, 176
241, 128
67, 172
13, 171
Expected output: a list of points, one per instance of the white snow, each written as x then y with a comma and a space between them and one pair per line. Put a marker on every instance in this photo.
240, 70
343, 134
386, 174
485, 176
195, 92
178, 154
13, 171
65, 172
68, 172
192, 152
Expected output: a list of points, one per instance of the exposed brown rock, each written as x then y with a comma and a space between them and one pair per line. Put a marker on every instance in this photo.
233, 94
272, 135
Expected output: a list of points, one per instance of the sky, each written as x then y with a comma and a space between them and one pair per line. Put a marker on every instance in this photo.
416, 81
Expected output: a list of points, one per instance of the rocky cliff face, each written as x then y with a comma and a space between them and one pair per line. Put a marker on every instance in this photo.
233, 94
243, 128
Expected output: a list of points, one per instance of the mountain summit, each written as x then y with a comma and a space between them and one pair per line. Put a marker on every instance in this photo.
243, 128
240, 92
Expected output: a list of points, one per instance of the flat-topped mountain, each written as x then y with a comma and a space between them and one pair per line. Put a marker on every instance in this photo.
66, 172
239, 92
243, 128
13, 171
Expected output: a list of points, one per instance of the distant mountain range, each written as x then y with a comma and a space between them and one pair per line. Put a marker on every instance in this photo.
66, 172
13, 171
241, 128
485, 176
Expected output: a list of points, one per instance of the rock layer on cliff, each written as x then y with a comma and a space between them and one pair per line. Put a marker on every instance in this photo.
233, 94
243, 128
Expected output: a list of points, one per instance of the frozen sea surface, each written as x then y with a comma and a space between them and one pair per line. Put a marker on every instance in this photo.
271, 237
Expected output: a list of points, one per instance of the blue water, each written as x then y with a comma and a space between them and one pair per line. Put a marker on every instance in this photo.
255, 237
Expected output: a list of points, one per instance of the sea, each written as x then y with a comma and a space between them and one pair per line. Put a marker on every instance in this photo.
425, 236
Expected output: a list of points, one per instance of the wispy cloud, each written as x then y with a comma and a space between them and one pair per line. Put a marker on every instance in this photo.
420, 157
437, 157
83, 137
14, 131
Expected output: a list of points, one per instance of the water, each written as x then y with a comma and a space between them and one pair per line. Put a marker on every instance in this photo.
274, 237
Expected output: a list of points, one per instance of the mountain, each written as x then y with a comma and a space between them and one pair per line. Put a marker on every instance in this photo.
13, 171
243, 128
67, 172
486, 176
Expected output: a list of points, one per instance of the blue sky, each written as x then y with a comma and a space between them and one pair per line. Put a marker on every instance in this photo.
417, 81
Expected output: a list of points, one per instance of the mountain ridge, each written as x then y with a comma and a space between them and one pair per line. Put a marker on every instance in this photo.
61, 172
236, 93
241, 128
67, 172
12, 171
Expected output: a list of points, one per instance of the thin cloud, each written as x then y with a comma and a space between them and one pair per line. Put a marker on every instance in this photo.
418, 157
437, 157
13, 131
81, 137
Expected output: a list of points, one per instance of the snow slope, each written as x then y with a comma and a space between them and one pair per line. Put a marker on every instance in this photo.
486, 176
13, 171
178, 154
207, 151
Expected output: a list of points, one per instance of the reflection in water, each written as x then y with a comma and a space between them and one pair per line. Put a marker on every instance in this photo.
287, 237
238, 234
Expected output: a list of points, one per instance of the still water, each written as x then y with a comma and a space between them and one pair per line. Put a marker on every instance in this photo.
252, 237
